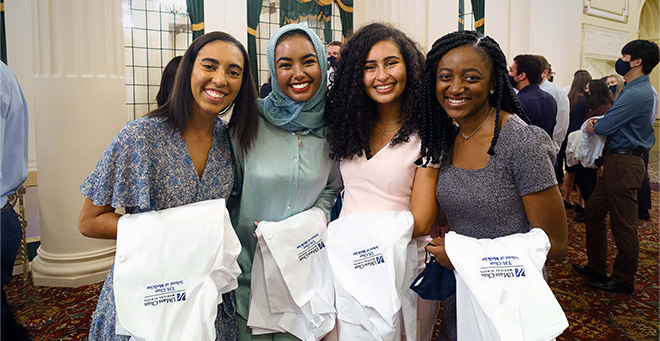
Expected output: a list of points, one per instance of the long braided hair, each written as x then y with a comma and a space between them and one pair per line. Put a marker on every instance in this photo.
350, 114
438, 130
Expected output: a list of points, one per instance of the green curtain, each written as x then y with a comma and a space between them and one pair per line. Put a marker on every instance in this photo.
196, 13
479, 10
461, 15
3, 39
293, 11
253, 13
346, 15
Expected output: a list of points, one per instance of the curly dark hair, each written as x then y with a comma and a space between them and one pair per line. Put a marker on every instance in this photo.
438, 130
350, 114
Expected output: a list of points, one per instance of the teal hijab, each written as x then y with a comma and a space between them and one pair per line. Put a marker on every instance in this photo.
282, 111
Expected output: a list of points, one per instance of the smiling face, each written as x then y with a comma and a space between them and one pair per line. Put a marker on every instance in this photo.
463, 83
297, 68
216, 77
385, 73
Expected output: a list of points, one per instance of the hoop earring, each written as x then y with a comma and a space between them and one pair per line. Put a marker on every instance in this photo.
226, 110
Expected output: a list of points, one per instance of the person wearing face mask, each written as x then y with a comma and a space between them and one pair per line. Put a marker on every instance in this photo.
614, 84
288, 171
334, 51
629, 130
539, 106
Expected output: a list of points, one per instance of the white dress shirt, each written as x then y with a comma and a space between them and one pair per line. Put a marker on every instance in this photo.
563, 111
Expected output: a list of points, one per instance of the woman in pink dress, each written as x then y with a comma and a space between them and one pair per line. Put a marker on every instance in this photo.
373, 119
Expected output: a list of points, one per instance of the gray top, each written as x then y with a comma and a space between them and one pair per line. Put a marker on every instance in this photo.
487, 202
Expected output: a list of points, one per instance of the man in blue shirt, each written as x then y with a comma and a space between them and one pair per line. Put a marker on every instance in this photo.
539, 106
629, 129
13, 172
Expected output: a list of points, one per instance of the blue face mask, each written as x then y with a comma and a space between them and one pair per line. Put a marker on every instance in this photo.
612, 88
622, 67
512, 81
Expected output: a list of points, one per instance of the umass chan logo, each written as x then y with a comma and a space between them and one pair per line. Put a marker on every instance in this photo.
369, 261
503, 272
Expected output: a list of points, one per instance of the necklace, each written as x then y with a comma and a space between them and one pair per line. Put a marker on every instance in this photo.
389, 122
384, 132
465, 137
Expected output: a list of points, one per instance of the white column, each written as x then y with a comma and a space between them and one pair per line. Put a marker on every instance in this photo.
79, 97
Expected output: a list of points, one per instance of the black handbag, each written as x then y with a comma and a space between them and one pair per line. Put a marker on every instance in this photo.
435, 282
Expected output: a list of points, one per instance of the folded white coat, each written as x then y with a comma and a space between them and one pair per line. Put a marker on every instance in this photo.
292, 289
591, 146
374, 261
171, 269
500, 290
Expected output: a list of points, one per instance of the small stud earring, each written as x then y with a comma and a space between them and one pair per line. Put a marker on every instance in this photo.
492, 91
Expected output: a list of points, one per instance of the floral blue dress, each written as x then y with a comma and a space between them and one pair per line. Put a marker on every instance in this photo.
147, 167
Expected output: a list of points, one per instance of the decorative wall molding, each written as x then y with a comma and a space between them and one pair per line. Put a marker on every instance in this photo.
606, 13
602, 42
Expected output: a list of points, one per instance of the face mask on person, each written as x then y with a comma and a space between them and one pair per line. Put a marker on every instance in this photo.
622, 67
512, 81
586, 95
331, 61
612, 88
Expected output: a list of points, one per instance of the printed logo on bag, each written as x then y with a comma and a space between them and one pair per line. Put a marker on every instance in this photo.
310, 247
368, 257
168, 292
502, 267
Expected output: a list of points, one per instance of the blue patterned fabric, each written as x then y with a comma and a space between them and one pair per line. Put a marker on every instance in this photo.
147, 167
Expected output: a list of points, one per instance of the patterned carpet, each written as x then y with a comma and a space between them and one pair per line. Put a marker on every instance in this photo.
51, 313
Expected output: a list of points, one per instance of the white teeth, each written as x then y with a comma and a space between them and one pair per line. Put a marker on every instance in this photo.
384, 87
300, 86
215, 94
456, 101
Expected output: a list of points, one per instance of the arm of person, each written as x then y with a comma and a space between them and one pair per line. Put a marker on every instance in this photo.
545, 210
621, 113
98, 221
334, 185
423, 205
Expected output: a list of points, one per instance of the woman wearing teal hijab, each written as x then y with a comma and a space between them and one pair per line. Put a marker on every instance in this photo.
288, 170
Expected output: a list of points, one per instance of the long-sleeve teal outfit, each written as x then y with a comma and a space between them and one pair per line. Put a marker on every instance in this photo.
285, 173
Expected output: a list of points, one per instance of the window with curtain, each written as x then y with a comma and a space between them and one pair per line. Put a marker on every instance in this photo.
155, 31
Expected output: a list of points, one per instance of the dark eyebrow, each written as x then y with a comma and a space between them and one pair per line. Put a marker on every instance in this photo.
212, 60
385, 59
473, 70
236, 66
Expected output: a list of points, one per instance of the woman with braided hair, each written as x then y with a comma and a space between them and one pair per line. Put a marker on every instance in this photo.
496, 172
373, 123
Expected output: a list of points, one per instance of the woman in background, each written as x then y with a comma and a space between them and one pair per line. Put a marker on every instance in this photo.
167, 80
373, 120
579, 105
178, 154
496, 173
614, 84
600, 101
288, 170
